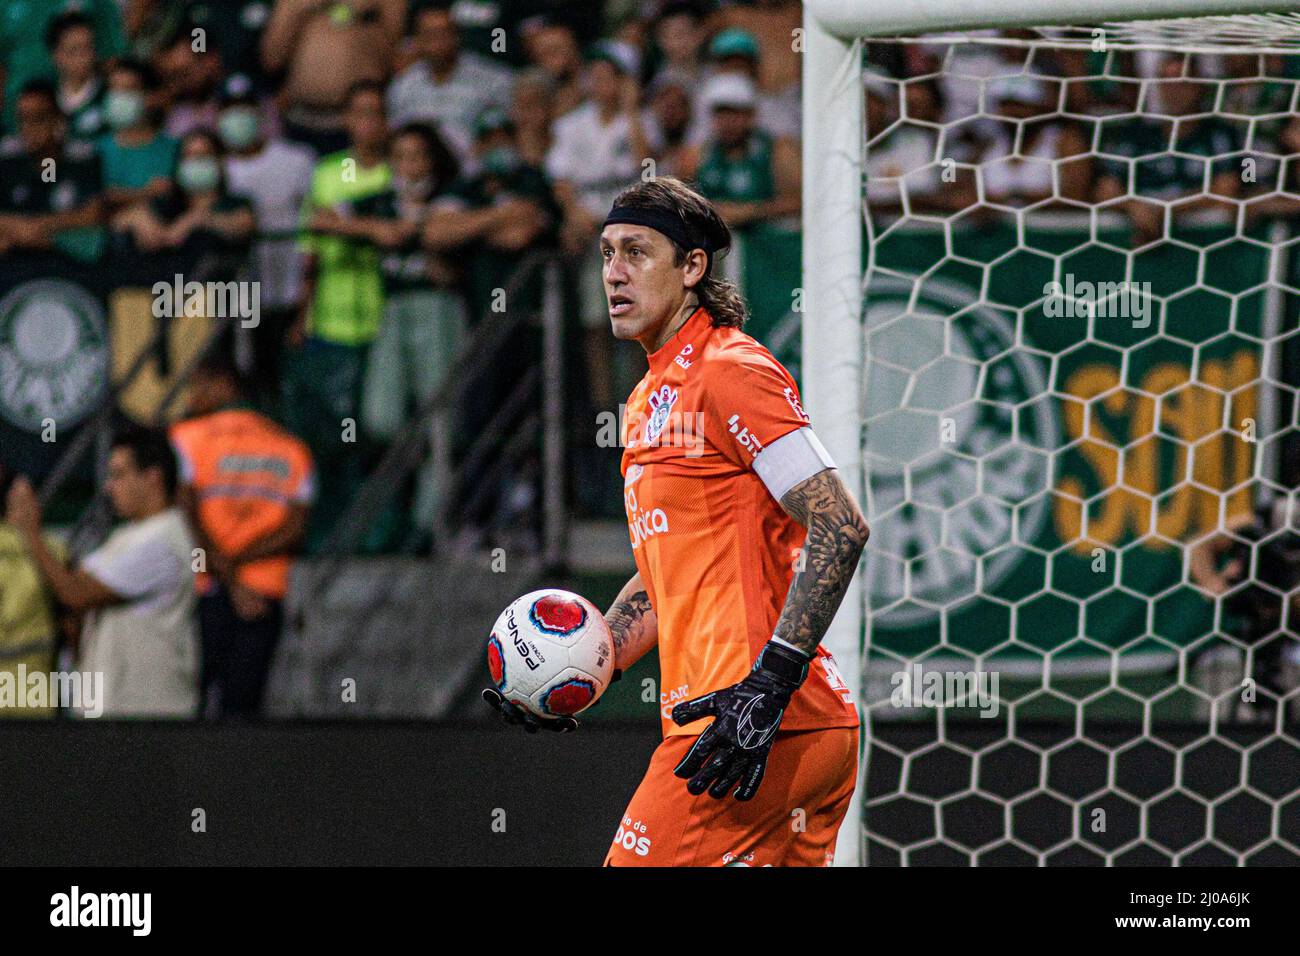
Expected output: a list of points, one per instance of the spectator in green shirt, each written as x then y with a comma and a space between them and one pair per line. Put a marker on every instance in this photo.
28, 628
490, 219
344, 306
490, 222
752, 176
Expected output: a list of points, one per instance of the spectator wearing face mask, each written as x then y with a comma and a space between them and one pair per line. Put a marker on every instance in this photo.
491, 216
196, 229
750, 175
138, 157
274, 175
488, 221
778, 109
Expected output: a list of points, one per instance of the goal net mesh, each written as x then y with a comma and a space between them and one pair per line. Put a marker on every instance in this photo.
1080, 445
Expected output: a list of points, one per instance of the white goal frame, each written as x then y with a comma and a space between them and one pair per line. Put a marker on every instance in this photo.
834, 378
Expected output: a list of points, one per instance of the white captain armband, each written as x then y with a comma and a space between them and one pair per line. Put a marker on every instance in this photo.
790, 459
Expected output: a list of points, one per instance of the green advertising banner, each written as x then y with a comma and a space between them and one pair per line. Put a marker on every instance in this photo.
1042, 439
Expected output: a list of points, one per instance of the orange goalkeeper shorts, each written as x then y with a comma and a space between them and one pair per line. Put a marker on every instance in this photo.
791, 821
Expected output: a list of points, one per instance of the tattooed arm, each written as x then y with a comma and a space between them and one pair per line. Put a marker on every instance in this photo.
633, 624
730, 756
837, 533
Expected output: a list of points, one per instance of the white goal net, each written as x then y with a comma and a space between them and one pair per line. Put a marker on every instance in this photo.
1071, 390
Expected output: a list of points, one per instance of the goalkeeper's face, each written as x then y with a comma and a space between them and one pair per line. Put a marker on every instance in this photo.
643, 287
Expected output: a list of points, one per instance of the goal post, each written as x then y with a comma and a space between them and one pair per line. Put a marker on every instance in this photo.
840, 253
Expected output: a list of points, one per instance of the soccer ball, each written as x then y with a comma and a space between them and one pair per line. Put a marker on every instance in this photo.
551, 653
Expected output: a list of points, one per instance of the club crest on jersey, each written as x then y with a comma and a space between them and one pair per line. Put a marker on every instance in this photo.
661, 406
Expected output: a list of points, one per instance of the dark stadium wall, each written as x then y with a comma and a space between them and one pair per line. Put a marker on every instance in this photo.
100, 793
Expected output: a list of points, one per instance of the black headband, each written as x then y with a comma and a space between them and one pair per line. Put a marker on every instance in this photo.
667, 223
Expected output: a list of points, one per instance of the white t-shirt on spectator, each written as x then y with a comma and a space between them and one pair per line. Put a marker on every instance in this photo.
902, 161
147, 648
1028, 173
454, 106
595, 156
275, 181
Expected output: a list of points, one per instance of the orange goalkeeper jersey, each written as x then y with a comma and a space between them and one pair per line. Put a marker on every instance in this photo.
715, 549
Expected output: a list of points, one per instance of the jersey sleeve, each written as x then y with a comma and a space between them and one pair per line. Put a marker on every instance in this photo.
755, 419
752, 402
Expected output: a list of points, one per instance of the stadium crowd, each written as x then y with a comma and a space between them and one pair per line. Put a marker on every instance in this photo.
379, 169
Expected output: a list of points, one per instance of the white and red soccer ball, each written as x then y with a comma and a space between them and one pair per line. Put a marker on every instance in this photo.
551, 653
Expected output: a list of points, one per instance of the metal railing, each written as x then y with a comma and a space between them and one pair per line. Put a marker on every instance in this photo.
492, 453
504, 436
96, 434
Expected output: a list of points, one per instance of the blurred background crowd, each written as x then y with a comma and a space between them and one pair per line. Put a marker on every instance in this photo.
385, 175
379, 169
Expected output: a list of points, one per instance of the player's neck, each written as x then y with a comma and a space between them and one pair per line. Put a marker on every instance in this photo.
673, 325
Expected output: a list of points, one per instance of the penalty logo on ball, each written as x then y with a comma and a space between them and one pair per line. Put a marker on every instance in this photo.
551, 653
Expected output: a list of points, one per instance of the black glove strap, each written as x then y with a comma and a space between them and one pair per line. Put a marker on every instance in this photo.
783, 662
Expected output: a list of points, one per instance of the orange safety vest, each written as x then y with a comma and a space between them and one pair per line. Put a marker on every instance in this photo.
246, 473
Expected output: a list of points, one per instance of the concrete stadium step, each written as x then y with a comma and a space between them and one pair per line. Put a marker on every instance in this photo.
408, 632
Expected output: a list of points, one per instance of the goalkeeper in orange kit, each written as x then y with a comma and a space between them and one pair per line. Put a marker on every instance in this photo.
745, 540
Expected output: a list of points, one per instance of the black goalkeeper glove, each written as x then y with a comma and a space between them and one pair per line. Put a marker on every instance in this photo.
732, 751
515, 715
